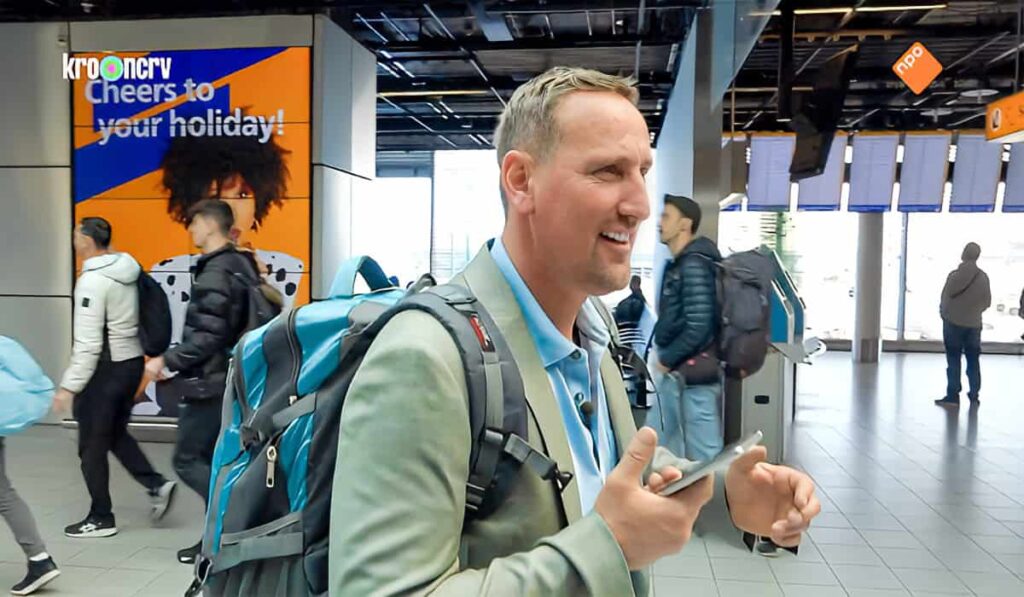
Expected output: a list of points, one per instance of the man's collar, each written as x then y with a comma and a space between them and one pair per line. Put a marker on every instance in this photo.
552, 346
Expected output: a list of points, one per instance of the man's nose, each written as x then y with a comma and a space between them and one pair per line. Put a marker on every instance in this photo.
636, 204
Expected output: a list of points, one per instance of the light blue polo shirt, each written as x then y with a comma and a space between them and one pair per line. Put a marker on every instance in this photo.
575, 374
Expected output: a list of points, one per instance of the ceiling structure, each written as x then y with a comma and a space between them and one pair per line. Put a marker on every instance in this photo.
977, 42
446, 68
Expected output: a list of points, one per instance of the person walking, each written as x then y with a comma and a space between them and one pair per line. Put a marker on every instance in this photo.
26, 393
213, 324
105, 370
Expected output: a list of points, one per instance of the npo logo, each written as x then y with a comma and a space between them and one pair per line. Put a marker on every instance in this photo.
917, 68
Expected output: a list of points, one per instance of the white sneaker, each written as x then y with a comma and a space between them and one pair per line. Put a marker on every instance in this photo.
162, 499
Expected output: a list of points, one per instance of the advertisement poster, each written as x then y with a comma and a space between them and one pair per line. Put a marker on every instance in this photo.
156, 132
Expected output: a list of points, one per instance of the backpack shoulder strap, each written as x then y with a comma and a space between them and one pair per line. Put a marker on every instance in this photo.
498, 413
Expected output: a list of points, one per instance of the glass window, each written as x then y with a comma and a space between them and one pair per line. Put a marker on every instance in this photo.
935, 243
467, 208
819, 249
391, 223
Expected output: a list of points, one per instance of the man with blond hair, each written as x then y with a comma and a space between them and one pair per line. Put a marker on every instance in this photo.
573, 150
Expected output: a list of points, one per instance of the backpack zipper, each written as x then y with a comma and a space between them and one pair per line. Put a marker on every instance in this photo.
271, 464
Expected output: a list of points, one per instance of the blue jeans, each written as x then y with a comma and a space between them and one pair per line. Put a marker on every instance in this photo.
967, 342
688, 418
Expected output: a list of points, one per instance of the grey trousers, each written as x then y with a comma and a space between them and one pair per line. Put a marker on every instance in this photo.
15, 511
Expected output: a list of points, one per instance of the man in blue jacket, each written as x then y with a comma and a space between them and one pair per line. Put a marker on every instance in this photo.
687, 370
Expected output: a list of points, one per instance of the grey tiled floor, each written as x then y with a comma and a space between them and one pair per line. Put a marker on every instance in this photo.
140, 560
916, 500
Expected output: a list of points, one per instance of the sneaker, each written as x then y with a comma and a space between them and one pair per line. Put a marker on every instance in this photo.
39, 573
91, 527
162, 498
948, 403
189, 554
975, 400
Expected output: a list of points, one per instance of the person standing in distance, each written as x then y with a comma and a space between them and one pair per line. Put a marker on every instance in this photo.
687, 370
966, 295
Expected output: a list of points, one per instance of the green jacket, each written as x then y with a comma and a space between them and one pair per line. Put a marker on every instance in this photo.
398, 504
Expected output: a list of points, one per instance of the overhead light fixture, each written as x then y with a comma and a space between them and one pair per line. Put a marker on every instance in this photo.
902, 7
434, 93
821, 11
978, 93
848, 9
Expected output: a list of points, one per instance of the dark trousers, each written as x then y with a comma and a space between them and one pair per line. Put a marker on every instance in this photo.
102, 410
967, 342
198, 427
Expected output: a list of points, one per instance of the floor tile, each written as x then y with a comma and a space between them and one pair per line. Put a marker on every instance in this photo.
850, 554
684, 587
1001, 545
836, 537
866, 577
987, 584
813, 591
901, 539
909, 558
876, 522
684, 568
729, 588
831, 520
803, 573
755, 570
935, 581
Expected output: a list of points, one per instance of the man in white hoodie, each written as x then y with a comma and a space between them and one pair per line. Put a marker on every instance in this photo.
105, 370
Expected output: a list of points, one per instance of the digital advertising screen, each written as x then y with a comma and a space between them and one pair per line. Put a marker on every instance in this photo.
155, 132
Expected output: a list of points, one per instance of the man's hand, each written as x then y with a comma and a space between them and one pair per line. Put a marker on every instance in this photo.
770, 500
647, 526
62, 400
155, 369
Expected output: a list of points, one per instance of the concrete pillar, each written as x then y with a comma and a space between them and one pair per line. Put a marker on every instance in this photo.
689, 150
868, 290
35, 192
344, 143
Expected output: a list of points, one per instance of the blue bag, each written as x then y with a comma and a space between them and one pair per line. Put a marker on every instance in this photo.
25, 392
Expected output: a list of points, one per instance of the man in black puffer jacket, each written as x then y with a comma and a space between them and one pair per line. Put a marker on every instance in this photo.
214, 322
687, 370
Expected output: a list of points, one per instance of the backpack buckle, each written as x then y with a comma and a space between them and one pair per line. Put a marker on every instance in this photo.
474, 497
544, 467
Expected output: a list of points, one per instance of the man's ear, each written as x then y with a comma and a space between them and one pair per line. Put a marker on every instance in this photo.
517, 168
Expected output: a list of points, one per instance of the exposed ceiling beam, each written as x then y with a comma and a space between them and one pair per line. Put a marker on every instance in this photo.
493, 25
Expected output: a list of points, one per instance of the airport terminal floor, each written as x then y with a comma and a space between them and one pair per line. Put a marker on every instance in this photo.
917, 499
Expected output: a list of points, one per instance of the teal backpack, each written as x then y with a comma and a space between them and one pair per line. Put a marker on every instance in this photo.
267, 526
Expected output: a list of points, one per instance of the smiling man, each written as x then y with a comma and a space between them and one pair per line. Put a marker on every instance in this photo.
573, 150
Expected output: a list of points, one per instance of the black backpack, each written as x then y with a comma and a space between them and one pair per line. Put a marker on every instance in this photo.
744, 283
263, 301
154, 316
